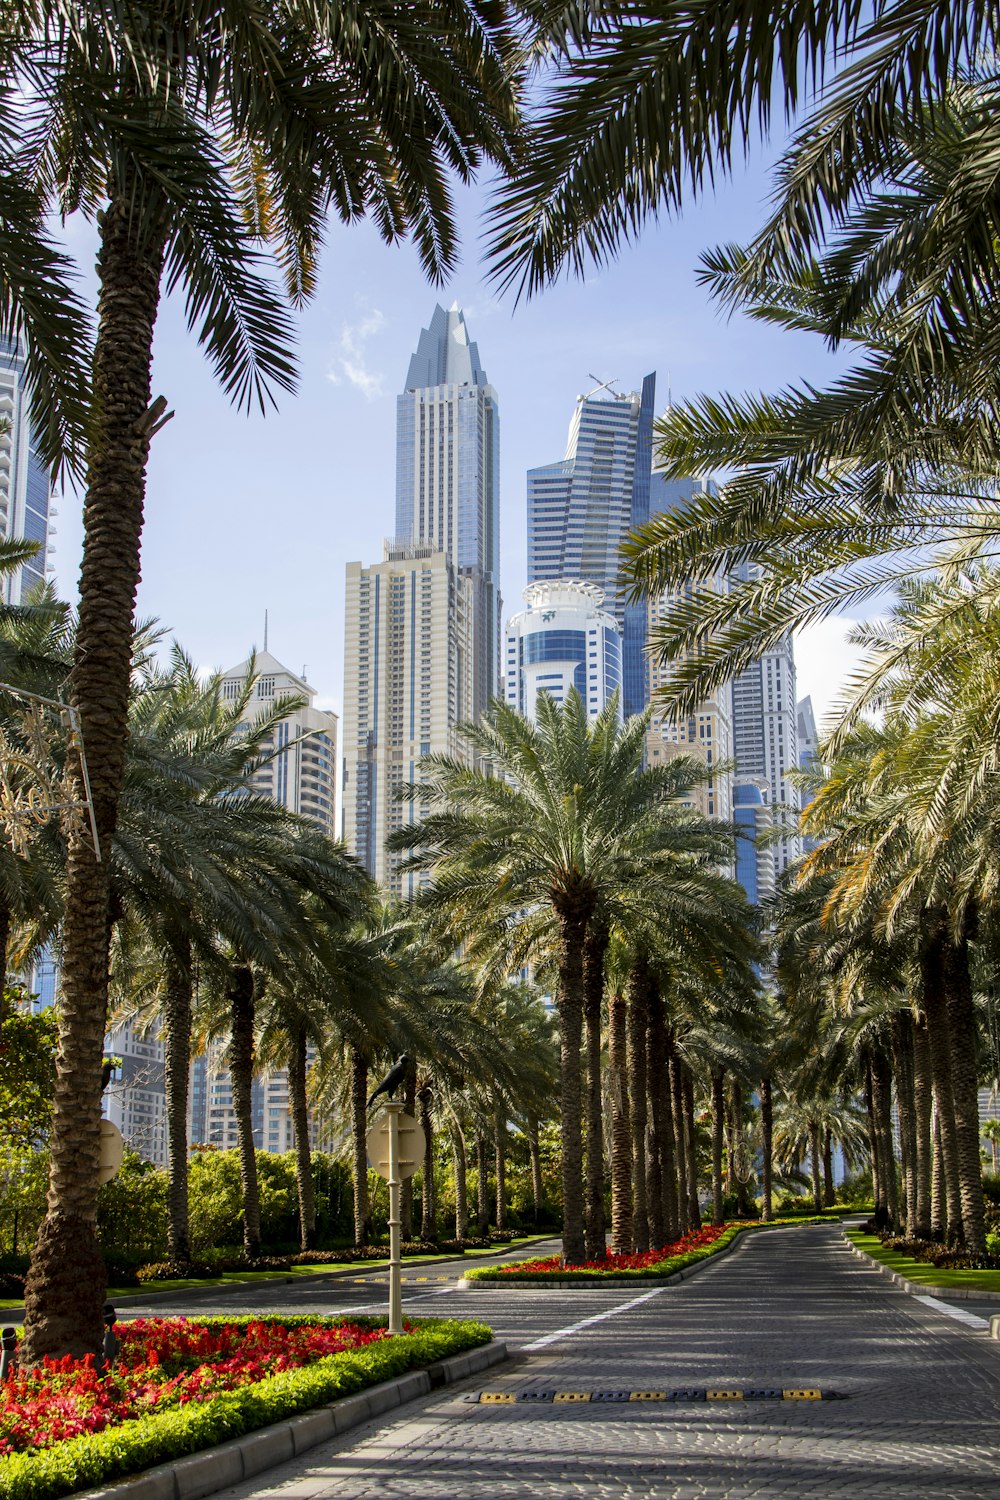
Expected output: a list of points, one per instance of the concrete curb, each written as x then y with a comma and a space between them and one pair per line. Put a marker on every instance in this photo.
920, 1288
245, 1457
362, 1268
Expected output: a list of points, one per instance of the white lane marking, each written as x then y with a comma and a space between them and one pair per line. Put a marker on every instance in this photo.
612, 1312
958, 1313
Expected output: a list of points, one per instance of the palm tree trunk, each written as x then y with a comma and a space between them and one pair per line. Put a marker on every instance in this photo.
428, 1215
297, 1062
537, 1186
767, 1147
828, 1191
621, 1126
638, 991
655, 1062
595, 947
935, 1008
359, 1146
460, 1159
668, 1145
923, 1145
740, 1166
963, 1032
572, 933
500, 1142
880, 1216
816, 1164
882, 1104
680, 1144
939, 1206
718, 1129
64, 1295
406, 1191
241, 1067
177, 1008
483, 1188
902, 1059
694, 1211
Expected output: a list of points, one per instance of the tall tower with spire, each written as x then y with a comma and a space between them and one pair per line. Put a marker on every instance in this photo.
447, 476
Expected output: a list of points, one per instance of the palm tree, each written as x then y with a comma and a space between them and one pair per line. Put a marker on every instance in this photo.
523, 858
643, 104
842, 492
235, 130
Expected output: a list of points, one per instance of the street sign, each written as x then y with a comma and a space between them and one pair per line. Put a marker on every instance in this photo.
112, 1151
411, 1145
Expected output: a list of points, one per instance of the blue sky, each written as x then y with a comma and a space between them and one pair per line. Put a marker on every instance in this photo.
247, 514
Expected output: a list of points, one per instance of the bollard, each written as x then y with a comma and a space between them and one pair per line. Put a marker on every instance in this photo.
8, 1353
110, 1337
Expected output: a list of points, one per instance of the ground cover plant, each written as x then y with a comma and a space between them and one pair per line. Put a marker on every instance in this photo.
981, 1273
178, 1385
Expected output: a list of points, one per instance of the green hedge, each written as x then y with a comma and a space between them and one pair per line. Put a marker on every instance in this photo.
661, 1271
133, 1446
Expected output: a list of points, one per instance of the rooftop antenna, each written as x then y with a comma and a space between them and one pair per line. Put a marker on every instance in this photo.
265, 630
670, 394
603, 385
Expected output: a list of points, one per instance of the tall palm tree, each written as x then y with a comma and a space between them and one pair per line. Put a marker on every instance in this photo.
523, 858
195, 141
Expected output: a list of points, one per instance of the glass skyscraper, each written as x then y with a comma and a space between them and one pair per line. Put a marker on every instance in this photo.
25, 489
447, 476
581, 509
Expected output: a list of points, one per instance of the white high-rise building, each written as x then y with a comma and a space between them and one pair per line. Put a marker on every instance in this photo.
561, 640
301, 771
300, 774
409, 681
26, 509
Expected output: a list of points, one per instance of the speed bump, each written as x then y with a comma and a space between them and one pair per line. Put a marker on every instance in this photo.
682, 1394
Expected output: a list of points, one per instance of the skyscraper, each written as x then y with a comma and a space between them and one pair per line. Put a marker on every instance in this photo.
408, 682
447, 477
563, 639
581, 509
765, 737
26, 509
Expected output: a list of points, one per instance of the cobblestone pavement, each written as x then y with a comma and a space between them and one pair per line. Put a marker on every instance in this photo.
787, 1309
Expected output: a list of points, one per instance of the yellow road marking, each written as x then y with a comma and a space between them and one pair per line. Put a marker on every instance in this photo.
571, 1396
648, 1396
496, 1398
803, 1395
723, 1395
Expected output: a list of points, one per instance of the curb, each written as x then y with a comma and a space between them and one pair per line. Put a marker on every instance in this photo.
921, 1288
362, 1268
245, 1457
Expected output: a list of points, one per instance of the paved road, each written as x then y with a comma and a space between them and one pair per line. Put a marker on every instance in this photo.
787, 1309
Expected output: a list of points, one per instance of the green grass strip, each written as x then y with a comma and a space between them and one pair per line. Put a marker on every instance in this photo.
660, 1271
133, 1446
921, 1271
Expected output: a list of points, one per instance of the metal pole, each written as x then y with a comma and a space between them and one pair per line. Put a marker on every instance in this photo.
394, 1110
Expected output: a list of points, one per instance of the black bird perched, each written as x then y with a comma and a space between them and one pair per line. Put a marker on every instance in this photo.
107, 1073
390, 1083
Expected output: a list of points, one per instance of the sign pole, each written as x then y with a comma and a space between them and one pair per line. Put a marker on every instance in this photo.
394, 1110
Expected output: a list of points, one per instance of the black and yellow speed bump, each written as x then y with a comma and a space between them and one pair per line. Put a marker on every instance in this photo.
680, 1395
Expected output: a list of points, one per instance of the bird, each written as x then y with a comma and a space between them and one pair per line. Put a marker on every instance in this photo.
390, 1083
107, 1072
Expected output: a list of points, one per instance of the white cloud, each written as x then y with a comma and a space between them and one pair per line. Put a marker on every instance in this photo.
350, 363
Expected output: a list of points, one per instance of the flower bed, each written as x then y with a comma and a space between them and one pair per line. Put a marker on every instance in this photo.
651, 1265
178, 1386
